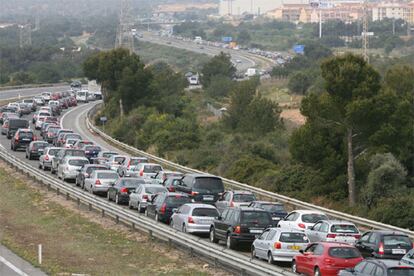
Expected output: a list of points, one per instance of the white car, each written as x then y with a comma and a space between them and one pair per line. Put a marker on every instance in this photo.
46, 96
39, 100
45, 160
301, 219
146, 170
333, 231
70, 167
82, 96
100, 181
70, 142
115, 161
281, 245
143, 194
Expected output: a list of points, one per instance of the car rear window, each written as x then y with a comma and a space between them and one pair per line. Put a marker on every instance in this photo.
25, 134
132, 182
73, 136
71, 141
53, 129
79, 162
177, 200
152, 168
75, 153
273, 207
344, 228
397, 240
313, 218
119, 159
344, 252
89, 170
401, 271
209, 184
154, 190
108, 154
44, 114
255, 217
205, 212
40, 145
53, 151
137, 161
293, 237
93, 148
108, 175
244, 197
18, 123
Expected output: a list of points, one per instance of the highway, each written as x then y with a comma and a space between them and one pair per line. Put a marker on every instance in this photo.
13, 265
25, 92
246, 60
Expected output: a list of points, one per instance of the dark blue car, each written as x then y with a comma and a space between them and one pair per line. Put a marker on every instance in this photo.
276, 209
91, 151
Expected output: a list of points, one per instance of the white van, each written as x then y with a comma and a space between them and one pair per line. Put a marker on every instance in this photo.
82, 96
46, 96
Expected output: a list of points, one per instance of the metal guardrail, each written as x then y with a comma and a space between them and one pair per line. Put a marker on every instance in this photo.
231, 260
274, 196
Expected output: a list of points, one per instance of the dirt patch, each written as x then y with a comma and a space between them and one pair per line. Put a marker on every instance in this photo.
294, 116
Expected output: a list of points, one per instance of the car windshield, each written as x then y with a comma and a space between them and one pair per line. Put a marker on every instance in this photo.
344, 228
177, 200
344, 252
108, 175
273, 208
401, 271
255, 217
78, 162
397, 240
154, 190
209, 184
108, 154
205, 212
136, 161
313, 218
293, 237
152, 168
244, 197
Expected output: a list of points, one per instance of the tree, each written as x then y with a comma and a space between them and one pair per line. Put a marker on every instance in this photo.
299, 83
243, 37
400, 78
218, 65
220, 86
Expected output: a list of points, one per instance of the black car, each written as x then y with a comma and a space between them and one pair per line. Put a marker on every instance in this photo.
120, 191
201, 187
384, 244
276, 209
91, 151
239, 225
35, 149
162, 205
371, 267
22, 138
86, 171
14, 125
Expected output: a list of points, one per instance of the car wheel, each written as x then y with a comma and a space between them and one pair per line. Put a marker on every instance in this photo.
140, 209
184, 229
317, 272
294, 267
270, 258
26, 156
108, 197
117, 199
229, 242
40, 166
146, 213
30, 157
157, 217
213, 238
52, 170
253, 252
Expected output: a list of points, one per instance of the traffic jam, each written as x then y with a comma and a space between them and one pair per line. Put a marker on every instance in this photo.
307, 240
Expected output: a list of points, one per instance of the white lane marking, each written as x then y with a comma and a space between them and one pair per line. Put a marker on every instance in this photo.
11, 266
70, 111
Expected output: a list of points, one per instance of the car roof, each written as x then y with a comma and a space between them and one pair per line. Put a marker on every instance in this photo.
200, 205
267, 202
308, 212
336, 244
105, 171
149, 164
96, 165
336, 221
197, 175
75, 157
177, 194
388, 232
138, 157
39, 142
242, 192
148, 185
289, 230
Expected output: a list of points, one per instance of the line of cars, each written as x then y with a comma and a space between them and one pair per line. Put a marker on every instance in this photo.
199, 204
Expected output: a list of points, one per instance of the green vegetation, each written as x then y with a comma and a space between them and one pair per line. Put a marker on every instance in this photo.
72, 243
358, 129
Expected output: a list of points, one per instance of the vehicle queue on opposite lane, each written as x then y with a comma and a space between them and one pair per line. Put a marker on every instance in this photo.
198, 203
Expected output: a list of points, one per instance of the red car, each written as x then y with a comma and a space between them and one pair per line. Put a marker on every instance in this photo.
326, 259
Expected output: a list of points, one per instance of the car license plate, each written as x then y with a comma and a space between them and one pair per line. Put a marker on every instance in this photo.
256, 231
399, 251
275, 218
26, 139
294, 247
208, 197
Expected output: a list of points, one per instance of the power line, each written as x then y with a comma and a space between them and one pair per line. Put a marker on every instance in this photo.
365, 31
124, 36
25, 35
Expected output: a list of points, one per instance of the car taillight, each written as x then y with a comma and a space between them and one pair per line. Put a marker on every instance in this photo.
194, 193
277, 245
237, 229
190, 220
16, 137
357, 236
145, 197
124, 190
331, 236
141, 172
301, 225
171, 189
34, 138
97, 182
381, 249
163, 208
47, 157
413, 244
231, 204
328, 261
129, 163
5, 125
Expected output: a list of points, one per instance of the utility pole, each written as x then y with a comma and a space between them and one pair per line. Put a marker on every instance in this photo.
365, 32
25, 35
124, 36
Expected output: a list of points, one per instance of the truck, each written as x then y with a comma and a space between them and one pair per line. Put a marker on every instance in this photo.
198, 39
251, 72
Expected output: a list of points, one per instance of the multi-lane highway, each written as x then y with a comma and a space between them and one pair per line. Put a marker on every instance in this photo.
242, 59
26, 92
13, 265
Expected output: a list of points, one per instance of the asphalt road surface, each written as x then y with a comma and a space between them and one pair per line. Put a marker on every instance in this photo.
13, 265
14, 93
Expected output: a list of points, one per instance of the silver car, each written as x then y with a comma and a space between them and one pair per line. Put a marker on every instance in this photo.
281, 245
408, 258
45, 160
333, 231
146, 170
235, 198
140, 198
129, 164
161, 176
194, 218
100, 181
70, 166
115, 161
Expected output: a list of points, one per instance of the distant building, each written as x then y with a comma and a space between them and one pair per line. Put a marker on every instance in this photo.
393, 10
240, 7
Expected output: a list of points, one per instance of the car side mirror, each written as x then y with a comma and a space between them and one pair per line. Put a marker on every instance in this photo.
219, 218
301, 251
112, 184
